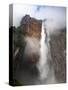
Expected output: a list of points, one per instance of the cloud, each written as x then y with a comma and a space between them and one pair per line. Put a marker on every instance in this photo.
55, 18
20, 10
51, 13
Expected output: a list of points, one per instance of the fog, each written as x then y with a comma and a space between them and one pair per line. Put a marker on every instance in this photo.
32, 46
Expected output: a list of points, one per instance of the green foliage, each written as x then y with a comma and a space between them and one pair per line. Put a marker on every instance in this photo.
18, 39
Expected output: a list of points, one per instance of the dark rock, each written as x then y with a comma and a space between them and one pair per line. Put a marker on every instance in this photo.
31, 26
58, 52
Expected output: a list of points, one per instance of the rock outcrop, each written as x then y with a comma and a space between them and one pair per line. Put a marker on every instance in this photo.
31, 27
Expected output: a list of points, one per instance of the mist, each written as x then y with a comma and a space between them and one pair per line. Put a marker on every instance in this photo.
32, 46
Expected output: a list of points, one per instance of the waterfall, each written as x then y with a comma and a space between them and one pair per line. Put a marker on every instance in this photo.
42, 64
46, 73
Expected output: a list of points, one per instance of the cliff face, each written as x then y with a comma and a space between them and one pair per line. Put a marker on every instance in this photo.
26, 63
31, 27
58, 52
31, 30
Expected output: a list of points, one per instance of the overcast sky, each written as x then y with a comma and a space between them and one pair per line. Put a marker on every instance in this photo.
39, 12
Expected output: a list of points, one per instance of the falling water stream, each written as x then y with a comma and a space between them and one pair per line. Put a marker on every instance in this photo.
46, 73
42, 65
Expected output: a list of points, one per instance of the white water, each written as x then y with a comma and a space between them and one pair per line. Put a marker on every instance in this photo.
42, 65
46, 73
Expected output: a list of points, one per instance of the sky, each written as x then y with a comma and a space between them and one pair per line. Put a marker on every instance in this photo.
52, 13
